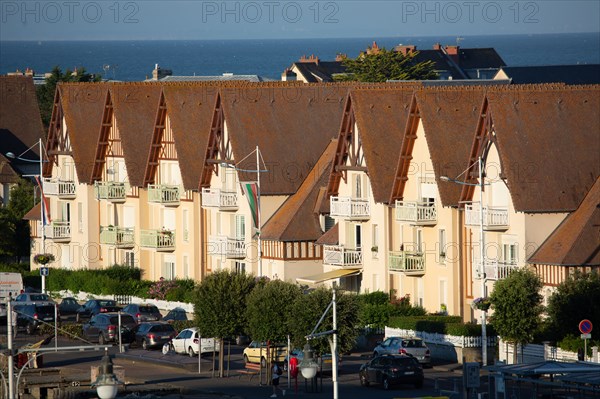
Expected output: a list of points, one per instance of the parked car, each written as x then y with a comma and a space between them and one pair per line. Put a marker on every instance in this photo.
188, 341
143, 312
324, 362
154, 334
389, 370
257, 352
405, 345
95, 306
175, 314
68, 308
31, 316
33, 297
104, 328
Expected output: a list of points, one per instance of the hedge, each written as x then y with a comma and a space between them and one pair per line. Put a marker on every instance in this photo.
451, 325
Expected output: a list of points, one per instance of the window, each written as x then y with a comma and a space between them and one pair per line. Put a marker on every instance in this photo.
168, 267
240, 227
358, 236
442, 244
186, 267
509, 253
419, 241
80, 216
129, 258
357, 187
185, 224
240, 267
375, 236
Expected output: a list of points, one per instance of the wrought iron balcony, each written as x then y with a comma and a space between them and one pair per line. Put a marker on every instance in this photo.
494, 218
216, 198
227, 247
409, 263
337, 255
121, 237
350, 208
59, 231
59, 188
165, 194
417, 213
161, 240
110, 191
494, 269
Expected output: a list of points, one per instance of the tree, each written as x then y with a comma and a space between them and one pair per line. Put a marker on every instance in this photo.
575, 299
385, 65
517, 305
309, 308
220, 306
45, 93
269, 310
14, 231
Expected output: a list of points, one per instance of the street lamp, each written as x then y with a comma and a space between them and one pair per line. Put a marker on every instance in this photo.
258, 171
308, 366
107, 384
481, 251
39, 178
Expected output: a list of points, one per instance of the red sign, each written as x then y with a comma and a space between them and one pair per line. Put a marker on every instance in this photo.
585, 326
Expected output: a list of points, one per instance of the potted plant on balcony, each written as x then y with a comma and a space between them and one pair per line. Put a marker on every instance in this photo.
43, 259
374, 248
481, 304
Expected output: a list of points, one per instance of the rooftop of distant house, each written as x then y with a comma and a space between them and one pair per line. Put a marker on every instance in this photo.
166, 75
568, 74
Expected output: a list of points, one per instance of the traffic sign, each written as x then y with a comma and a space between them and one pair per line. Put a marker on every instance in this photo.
586, 336
585, 326
44, 271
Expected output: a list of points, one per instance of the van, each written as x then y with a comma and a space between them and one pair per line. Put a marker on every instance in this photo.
11, 284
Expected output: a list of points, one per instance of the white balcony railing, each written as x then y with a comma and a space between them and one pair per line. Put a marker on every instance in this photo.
494, 218
494, 269
161, 240
110, 191
411, 263
231, 248
120, 237
337, 255
59, 188
164, 194
419, 213
59, 231
216, 198
350, 208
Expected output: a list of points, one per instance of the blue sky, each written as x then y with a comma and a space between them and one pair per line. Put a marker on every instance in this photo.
201, 20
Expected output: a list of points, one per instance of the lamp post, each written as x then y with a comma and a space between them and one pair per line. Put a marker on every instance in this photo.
482, 274
107, 384
40, 161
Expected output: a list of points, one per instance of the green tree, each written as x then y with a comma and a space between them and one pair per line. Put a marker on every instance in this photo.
269, 310
577, 298
387, 65
309, 308
220, 306
375, 309
45, 93
14, 231
517, 305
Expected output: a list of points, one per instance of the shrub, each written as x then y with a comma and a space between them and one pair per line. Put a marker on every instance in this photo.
573, 343
451, 325
70, 330
180, 325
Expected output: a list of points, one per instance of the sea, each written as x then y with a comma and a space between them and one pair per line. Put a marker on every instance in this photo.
135, 60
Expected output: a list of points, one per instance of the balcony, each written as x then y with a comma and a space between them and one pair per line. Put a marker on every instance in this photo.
494, 218
409, 263
58, 231
216, 198
350, 208
337, 255
494, 270
227, 247
417, 213
160, 240
110, 191
119, 237
165, 194
59, 188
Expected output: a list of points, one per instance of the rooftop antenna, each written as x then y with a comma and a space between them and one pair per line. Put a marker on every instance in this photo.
459, 39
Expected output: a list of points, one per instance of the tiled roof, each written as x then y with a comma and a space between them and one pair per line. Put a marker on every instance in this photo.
569, 74
190, 110
549, 143
215, 78
290, 125
331, 236
296, 219
475, 58
34, 213
575, 241
449, 118
83, 107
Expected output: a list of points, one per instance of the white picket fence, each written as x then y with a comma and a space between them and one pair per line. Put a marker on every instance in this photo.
532, 353
162, 305
441, 339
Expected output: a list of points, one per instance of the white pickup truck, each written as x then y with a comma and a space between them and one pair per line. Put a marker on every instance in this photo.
11, 284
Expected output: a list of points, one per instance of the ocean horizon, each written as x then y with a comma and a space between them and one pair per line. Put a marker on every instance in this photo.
133, 60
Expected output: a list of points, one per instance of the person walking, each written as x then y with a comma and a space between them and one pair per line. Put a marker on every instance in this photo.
277, 372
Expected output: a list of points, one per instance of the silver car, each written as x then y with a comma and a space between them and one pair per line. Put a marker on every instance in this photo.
412, 346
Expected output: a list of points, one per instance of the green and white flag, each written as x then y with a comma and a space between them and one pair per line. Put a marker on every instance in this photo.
250, 190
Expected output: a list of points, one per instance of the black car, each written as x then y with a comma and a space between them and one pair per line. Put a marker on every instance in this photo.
143, 312
68, 308
154, 334
104, 328
32, 315
95, 306
175, 314
391, 370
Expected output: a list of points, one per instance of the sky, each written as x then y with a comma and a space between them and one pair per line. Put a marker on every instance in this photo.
247, 19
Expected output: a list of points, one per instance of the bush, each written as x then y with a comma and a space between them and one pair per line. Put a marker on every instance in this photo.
69, 330
451, 325
14, 267
573, 343
180, 325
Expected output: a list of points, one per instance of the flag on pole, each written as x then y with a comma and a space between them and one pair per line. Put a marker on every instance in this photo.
250, 190
45, 203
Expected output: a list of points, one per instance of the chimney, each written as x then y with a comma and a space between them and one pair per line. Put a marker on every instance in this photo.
314, 59
339, 57
437, 46
374, 48
158, 73
452, 52
288, 75
404, 50
29, 72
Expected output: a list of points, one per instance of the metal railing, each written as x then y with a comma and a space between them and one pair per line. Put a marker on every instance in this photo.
162, 240
58, 230
494, 269
232, 248
122, 237
337, 255
350, 208
422, 213
406, 262
217, 198
494, 218
164, 194
111, 191
59, 188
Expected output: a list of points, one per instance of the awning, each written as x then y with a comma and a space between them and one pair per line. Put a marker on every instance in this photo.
319, 278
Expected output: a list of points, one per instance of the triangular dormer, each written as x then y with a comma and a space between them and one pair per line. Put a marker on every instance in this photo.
219, 148
58, 140
405, 158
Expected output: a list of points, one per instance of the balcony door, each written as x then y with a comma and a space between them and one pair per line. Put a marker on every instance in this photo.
128, 216
168, 219
357, 236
